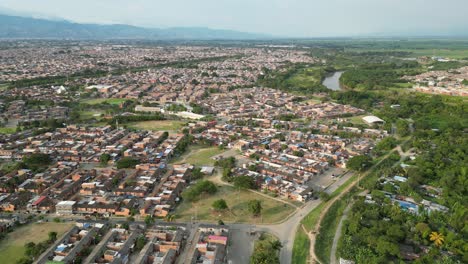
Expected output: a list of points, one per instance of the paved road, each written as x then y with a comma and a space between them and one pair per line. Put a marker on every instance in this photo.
286, 231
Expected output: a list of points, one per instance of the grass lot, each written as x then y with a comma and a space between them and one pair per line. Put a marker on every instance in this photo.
301, 247
324, 239
7, 130
12, 247
357, 120
162, 125
311, 219
3, 86
273, 211
112, 101
91, 114
198, 155
299, 255
305, 78
449, 53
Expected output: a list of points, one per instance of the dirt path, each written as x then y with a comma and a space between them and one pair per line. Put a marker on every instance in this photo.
314, 232
338, 234
217, 179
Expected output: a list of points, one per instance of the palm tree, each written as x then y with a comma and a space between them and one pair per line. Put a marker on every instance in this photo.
437, 238
169, 218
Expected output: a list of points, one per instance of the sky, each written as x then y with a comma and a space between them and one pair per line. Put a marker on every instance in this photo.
281, 18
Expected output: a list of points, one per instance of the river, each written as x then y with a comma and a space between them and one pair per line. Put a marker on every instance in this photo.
332, 82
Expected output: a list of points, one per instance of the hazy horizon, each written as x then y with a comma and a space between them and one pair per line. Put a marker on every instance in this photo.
293, 18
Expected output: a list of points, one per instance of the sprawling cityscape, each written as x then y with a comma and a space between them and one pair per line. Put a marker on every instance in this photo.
232, 150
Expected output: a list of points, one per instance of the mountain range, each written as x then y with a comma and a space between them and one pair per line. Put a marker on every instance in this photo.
19, 27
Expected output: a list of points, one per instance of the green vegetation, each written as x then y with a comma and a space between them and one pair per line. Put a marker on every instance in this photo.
195, 192
324, 239
238, 212
244, 182
104, 159
255, 207
220, 205
127, 162
111, 101
311, 218
266, 250
136, 118
176, 108
36, 161
227, 164
385, 145
299, 78
301, 247
7, 130
12, 248
378, 76
199, 155
359, 163
164, 125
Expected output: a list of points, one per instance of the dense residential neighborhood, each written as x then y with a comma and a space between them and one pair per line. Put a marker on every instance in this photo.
230, 152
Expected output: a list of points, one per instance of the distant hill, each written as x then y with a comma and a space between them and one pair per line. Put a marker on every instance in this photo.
25, 27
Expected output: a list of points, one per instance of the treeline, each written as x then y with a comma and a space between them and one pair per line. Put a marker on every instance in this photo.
378, 76
383, 232
298, 78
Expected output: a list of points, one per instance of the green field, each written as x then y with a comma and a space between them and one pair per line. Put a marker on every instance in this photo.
357, 120
7, 130
273, 211
301, 247
91, 114
12, 247
112, 101
163, 125
324, 239
306, 77
198, 155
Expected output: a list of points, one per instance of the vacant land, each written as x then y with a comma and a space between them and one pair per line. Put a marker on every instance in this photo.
91, 114
199, 156
7, 130
273, 211
357, 120
163, 125
112, 101
12, 247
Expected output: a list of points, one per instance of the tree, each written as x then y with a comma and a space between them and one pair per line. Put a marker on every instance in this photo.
201, 187
29, 248
127, 162
220, 222
255, 207
324, 196
140, 242
244, 182
359, 163
52, 236
220, 205
437, 238
196, 174
276, 245
104, 159
402, 127
24, 260
149, 220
